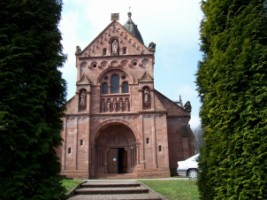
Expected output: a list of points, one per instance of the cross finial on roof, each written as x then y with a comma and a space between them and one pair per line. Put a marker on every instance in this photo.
115, 16
129, 13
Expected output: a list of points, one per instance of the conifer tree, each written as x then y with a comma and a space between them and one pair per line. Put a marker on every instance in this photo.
232, 85
32, 99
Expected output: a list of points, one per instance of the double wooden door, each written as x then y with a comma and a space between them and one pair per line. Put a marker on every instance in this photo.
117, 160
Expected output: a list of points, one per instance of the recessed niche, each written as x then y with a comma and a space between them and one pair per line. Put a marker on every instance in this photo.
124, 63
104, 64
104, 52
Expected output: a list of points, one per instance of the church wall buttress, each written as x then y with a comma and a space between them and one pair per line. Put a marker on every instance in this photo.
154, 141
143, 143
82, 143
70, 142
95, 100
161, 147
148, 141
64, 144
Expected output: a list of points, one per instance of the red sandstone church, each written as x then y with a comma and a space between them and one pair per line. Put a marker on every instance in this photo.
117, 124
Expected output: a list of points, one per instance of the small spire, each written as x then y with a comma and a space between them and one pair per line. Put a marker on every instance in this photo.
180, 102
129, 13
132, 28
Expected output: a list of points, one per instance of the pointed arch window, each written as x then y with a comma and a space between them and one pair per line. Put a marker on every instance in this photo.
115, 83
104, 88
125, 87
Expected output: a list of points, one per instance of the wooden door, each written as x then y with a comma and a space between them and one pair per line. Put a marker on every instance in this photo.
124, 161
113, 161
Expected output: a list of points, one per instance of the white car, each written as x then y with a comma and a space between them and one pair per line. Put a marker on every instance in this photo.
188, 167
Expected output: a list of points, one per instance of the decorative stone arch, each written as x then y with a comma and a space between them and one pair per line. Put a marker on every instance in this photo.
116, 148
109, 122
113, 70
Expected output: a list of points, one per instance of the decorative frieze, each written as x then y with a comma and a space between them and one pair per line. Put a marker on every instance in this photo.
115, 104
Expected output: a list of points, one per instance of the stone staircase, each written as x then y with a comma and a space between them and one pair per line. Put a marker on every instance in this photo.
117, 176
113, 190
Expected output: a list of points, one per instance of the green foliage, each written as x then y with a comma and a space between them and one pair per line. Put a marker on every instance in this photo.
32, 98
232, 85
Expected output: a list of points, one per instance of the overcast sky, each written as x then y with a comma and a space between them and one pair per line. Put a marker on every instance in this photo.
172, 24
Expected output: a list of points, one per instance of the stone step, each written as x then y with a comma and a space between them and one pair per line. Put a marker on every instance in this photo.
117, 197
109, 184
113, 189
117, 176
110, 190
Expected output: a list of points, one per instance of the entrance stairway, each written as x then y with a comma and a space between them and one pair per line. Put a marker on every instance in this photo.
115, 190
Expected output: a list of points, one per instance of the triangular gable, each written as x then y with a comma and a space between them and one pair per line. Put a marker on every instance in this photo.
114, 29
84, 80
146, 78
172, 108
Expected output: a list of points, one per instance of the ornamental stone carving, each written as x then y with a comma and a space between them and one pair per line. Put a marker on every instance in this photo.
114, 105
146, 98
115, 47
82, 100
188, 106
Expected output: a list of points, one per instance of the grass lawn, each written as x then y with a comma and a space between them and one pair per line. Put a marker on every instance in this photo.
175, 189
71, 183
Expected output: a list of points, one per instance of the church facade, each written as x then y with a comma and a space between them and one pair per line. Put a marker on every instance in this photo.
117, 124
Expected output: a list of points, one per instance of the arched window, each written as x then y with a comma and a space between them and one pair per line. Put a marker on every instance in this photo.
125, 87
104, 88
115, 84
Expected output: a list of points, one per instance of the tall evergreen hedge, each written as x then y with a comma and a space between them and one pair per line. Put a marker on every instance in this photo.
32, 98
232, 85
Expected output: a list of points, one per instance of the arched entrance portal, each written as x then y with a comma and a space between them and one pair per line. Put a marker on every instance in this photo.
115, 150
